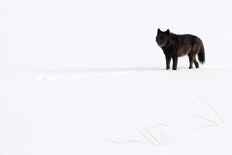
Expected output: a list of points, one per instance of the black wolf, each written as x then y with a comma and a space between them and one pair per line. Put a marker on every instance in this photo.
174, 46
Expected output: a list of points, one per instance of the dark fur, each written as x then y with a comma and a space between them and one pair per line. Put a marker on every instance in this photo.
175, 46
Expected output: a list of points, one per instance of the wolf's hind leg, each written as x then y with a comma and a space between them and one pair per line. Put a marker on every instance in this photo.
191, 60
196, 63
196, 49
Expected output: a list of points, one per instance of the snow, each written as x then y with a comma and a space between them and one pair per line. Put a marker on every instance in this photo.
114, 110
86, 77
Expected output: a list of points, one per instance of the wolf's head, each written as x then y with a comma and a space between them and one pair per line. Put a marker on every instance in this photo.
162, 38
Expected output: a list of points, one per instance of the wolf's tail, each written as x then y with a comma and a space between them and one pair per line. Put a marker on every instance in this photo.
201, 55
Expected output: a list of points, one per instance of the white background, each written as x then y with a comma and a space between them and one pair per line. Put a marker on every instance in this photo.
56, 34
86, 77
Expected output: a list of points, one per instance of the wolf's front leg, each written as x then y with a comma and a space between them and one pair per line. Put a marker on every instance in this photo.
175, 60
168, 60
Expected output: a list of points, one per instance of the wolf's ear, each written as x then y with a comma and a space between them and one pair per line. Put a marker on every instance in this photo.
158, 31
168, 31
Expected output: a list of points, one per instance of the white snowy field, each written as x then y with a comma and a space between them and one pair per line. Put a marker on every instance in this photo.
117, 111
86, 77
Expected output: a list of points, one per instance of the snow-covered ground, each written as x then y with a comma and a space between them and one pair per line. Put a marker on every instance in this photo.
86, 77
134, 110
